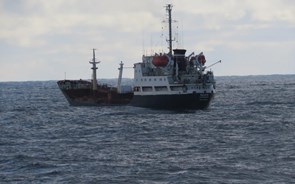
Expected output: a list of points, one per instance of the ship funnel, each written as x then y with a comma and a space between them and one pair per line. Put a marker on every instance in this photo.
179, 52
179, 59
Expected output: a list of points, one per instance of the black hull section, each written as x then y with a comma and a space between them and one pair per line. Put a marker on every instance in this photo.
173, 102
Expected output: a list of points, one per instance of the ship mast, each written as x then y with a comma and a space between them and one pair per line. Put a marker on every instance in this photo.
120, 77
169, 9
94, 68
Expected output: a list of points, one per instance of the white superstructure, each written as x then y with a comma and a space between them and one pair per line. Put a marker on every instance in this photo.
173, 80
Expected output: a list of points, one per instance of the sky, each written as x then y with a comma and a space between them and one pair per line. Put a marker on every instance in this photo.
53, 40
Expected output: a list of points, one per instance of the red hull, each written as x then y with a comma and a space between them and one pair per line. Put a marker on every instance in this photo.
79, 92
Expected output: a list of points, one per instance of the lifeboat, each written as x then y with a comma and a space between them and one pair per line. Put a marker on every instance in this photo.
160, 61
202, 59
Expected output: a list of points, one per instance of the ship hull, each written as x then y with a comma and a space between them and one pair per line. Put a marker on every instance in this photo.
191, 101
82, 97
85, 96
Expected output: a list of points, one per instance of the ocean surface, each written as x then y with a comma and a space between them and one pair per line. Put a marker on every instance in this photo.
246, 136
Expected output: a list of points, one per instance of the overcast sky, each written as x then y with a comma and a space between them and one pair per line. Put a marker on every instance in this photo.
51, 40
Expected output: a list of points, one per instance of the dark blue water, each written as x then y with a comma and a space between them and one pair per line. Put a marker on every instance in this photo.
246, 136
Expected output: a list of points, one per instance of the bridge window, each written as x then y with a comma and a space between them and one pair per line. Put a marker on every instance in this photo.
147, 88
161, 88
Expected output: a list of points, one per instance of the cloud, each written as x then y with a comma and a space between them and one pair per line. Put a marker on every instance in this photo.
59, 34
40, 18
277, 10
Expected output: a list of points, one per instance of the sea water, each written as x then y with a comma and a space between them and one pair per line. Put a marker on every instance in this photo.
247, 135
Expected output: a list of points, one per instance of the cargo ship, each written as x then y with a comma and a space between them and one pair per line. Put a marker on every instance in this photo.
90, 93
173, 80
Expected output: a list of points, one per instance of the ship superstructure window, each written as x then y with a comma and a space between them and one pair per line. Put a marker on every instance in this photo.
147, 88
196, 87
161, 88
176, 88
